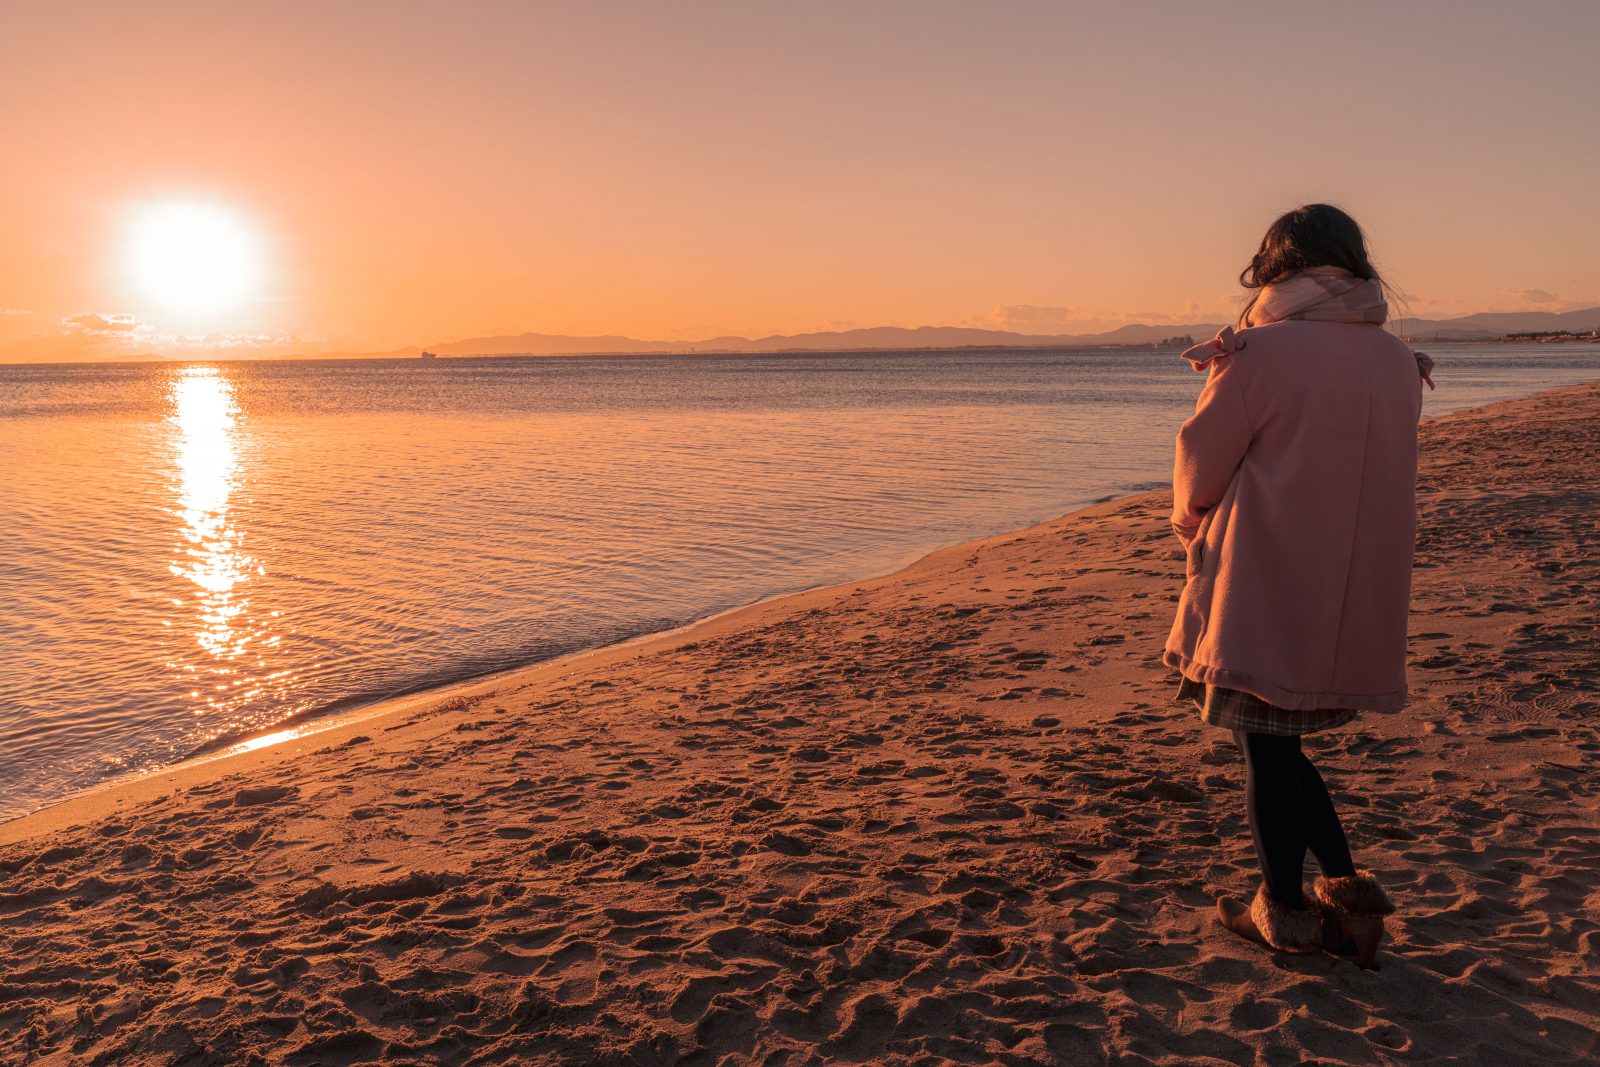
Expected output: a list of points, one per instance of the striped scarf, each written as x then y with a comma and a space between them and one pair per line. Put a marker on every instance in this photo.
1320, 294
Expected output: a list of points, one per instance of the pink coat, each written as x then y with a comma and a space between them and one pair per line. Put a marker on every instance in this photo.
1295, 496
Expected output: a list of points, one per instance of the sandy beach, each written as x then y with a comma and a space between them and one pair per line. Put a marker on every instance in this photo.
948, 815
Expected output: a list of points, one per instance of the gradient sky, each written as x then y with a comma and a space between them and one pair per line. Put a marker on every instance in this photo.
427, 172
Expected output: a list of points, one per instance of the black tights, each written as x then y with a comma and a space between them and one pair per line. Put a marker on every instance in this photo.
1290, 811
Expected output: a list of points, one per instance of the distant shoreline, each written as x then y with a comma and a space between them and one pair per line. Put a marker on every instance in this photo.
1503, 341
1494, 327
698, 353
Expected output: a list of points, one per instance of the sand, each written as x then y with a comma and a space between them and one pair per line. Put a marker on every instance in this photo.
949, 815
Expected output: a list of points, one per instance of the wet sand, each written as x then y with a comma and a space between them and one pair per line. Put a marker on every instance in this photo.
949, 815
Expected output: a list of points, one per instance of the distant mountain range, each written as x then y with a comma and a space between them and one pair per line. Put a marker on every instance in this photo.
1483, 326
1488, 325
876, 337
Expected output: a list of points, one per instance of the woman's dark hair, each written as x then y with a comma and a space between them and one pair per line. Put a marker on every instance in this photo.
1315, 235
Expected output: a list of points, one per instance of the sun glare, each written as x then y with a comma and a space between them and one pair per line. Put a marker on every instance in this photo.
193, 259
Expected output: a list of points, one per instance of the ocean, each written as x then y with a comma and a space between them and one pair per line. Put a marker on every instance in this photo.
192, 554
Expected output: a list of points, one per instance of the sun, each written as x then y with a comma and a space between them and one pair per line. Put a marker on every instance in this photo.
193, 259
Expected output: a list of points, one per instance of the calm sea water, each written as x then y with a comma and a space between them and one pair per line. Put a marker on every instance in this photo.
194, 553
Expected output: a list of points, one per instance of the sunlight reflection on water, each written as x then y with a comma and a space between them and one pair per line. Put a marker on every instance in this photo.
209, 552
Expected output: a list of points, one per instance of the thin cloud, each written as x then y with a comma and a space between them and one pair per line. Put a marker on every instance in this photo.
14, 311
96, 323
217, 340
1533, 296
1193, 314
1032, 315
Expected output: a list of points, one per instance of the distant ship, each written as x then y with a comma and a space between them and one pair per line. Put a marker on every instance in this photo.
428, 355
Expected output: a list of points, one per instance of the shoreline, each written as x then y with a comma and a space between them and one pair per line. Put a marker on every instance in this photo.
952, 813
267, 746
316, 722
300, 729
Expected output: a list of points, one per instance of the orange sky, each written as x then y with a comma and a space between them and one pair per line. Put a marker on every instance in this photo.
427, 172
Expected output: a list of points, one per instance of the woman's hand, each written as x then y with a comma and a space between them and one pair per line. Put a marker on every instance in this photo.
1425, 367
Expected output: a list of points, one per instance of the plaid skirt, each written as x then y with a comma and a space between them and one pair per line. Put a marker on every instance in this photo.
1233, 710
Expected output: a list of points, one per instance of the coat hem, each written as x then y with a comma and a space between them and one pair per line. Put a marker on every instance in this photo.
1207, 674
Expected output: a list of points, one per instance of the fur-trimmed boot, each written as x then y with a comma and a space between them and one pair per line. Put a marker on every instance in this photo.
1355, 906
1269, 922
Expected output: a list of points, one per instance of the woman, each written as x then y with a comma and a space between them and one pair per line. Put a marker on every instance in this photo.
1295, 500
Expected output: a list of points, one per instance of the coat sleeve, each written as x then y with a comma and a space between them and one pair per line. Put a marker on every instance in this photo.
1211, 444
